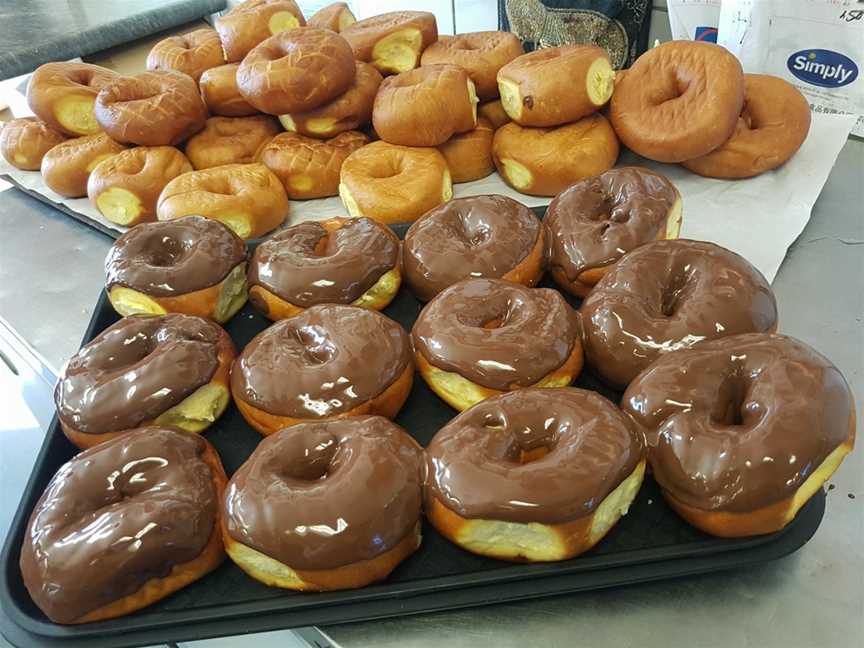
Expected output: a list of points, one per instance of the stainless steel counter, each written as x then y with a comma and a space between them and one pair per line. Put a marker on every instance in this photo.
51, 273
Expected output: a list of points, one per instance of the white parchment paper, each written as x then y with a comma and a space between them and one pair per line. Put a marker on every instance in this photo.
759, 218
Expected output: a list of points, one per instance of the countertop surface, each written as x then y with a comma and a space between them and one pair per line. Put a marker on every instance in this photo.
51, 274
33, 32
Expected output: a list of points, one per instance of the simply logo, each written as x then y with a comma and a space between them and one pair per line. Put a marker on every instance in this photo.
823, 68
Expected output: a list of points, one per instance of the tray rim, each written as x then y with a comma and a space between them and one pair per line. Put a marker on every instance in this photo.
514, 575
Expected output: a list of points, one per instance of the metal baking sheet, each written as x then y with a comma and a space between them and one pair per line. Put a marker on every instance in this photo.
650, 543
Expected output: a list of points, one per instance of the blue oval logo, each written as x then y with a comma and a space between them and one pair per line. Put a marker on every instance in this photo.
823, 68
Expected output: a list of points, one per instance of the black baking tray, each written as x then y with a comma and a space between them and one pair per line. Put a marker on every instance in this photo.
649, 543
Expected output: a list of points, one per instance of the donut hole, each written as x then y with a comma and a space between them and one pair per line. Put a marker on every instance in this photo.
386, 168
472, 230
167, 254
527, 445
312, 461
732, 395
312, 347
675, 290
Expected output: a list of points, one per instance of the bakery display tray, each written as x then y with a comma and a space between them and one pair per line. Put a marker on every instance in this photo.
649, 543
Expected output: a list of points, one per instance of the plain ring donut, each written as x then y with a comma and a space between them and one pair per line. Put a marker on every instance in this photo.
426, 106
193, 265
159, 108
596, 221
335, 17
248, 198
669, 295
351, 261
469, 154
678, 101
296, 70
363, 470
67, 166
230, 140
251, 22
483, 337
330, 361
106, 538
536, 474
480, 54
393, 184
220, 93
179, 365
773, 125
63, 95
125, 187
481, 236
769, 416
191, 53
25, 141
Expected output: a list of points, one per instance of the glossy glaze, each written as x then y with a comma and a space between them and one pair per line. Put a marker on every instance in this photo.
304, 265
135, 370
475, 462
534, 332
669, 295
115, 516
327, 360
171, 258
481, 236
739, 423
599, 219
326, 494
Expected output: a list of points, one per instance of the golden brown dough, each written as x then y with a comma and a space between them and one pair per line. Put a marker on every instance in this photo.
307, 167
125, 187
191, 53
393, 184
335, 17
545, 161
773, 125
248, 198
253, 21
481, 54
219, 89
67, 166
392, 42
349, 111
426, 106
25, 141
295, 71
469, 155
230, 140
62, 95
151, 109
556, 85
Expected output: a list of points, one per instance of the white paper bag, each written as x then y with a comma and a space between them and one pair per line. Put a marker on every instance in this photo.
817, 45
694, 19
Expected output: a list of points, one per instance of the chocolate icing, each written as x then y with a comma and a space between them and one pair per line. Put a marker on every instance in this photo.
474, 468
136, 369
326, 360
668, 295
172, 258
740, 423
115, 516
481, 236
326, 494
291, 264
534, 336
599, 219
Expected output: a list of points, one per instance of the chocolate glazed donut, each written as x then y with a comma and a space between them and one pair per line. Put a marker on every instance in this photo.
482, 236
742, 431
179, 368
669, 295
596, 221
193, 265
326, 505
330, 361
123, 525
340, 261
536, 474
482, 337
